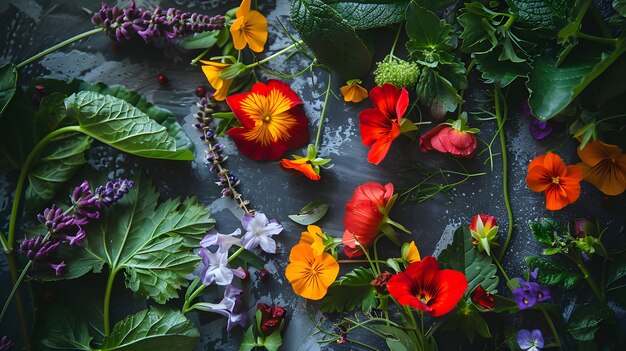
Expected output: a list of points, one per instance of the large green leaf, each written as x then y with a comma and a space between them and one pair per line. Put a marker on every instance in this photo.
546, 230
540, 13
464, 256
500, 73
587, 319
8, 84
156, 328
616, 266
64, 330
334, 42
351, 291
553, 273
117, 123
152, 242
368, 14
436, 92
430, 39
553, 88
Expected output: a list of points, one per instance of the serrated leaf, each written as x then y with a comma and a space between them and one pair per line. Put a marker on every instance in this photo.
500, 73
310, 213
156, 328
334, 42
429, 35
369, 14
64, 330
587, 319
546, 230
463, 256
349, 298
436, 92
356, 277
478, 35
553, 273
273, 342
540, 13
8, 84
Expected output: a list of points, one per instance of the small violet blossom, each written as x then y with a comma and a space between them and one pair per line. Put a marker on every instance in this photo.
538, 129
530, 293
223, 241
231, 307
216, 268
259, 231
530, 341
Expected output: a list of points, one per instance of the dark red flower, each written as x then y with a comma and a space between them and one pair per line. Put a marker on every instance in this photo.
380, 283
271, 317
425, 287
381, 125
364, 213
451, 138
483, 298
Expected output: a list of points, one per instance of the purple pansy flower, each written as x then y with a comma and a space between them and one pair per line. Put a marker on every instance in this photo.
231, 307
216, 268
540, 129
530, 292
259, 232
223, 241
530, 341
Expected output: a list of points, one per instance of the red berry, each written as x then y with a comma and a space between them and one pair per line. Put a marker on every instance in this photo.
246, 274
162, 79
264, 275
200, 91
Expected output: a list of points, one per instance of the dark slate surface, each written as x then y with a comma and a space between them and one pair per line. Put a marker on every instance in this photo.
28, 26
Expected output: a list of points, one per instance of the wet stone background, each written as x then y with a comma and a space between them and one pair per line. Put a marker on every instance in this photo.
29, 26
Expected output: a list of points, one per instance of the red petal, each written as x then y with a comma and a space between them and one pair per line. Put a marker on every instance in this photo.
254, 150
373, 125
285, 89
402, 104
450, 288
299, 133
426, 139
380, 148
301, 168
385, 99
234, 102
555, 165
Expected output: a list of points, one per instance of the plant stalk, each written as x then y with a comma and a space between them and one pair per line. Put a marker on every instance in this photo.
107, 303
320, 124
505, 174
19, 303
15, 289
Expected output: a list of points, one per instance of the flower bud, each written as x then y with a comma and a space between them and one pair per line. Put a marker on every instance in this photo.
484, 230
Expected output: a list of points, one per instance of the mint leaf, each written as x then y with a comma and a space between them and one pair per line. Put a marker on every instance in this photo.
369, 14
334, 42
463, 256
553, 273
587, 319
156, 328
348, 298
8, 84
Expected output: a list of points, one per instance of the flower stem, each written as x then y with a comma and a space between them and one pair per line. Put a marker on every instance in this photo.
18, 303
275, 55
60, 45
199, 57
552, 328
611, 41
501, 119
587, 276
395, 41
107, 303
15, 288
319, 126
497, 262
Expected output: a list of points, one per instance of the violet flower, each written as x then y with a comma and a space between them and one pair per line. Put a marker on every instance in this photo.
530, 341
6, 344
55, 221
231, 307
36, 249
530, 293
259, 232
540, 129
216, 268
223, 241
112, 191
85, 202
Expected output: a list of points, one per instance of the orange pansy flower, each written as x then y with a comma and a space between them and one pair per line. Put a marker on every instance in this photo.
412, 253
309, 273
250, 28
560, 183
272, 121
313, 237
353, 92
604, 166
212, 70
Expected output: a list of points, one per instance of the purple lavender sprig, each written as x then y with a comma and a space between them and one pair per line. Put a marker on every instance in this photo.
226, 179
6, 344
134, 22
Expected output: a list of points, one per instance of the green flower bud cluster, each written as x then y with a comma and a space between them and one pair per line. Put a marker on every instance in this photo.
398, 72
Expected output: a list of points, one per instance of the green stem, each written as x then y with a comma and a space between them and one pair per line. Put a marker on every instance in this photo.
235, 254
15, 289
367, 255
395, 41
3, 240
497, 262
587, 276
509, 22
22, 179
107, 303
319, 126
552, 328
19, 304
418, 337
611, 41
505, 174
60, 45
274, 55
376, 253
199, 57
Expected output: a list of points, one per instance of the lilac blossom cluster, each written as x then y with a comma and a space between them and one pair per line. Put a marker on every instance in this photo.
134, 22
530, 292
65, 227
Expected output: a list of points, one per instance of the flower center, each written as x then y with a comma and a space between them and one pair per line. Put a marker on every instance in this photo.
424, 297
555, 180
267, 119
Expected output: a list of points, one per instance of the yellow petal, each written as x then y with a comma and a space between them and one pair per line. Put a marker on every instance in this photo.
255, 31
221, 93
413, 254
313, 237
237, 31
212, 71
243, 9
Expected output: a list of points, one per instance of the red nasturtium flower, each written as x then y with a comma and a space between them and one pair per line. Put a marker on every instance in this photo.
272, 121
365, 212
271, 317
560, 183
453, 138
427, 288
380, 125
483, 298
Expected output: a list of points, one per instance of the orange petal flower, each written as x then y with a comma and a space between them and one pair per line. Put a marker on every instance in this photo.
314, 238
412, 254
302, 165
560, 183
353, 92
310, 274
212, 70
604, 166
250, 28
272, 120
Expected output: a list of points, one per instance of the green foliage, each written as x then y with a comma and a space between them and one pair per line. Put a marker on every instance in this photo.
369, 14
64, 330
335, 43
469, 320
546, 231
248, 341
351, 291
553, 273
396, 339
463, 256
549, 14
311, 213
616, 266
8, 84
587, 319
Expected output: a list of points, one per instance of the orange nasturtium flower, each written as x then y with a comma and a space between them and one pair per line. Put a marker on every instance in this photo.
353, 92
250, 28
272, 121
212, 70
309, 166
604, 166
560, 183
311, 272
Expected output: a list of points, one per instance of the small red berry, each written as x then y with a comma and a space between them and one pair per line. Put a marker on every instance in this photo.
200, 91
162, 79
264, 275
246, 274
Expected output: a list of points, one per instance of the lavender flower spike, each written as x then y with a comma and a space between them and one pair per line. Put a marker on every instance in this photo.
37, 250
259, 232
231, 306
113, 191
85, 202
55, 221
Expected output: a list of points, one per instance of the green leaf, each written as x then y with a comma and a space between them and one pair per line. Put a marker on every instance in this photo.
587, 319
273, 342
553, 88
310, 213
356, 277
546, 230
396, 338
156, 328
463, 256
540, 13
248, 342
8, 84
553, 273
63, 330
500, 73
429, 35
119, 124
478, 34
369, 14
248, 257
152, 242
349, 298
616, 266
334, 42
437, 92
395, 345
205, 40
